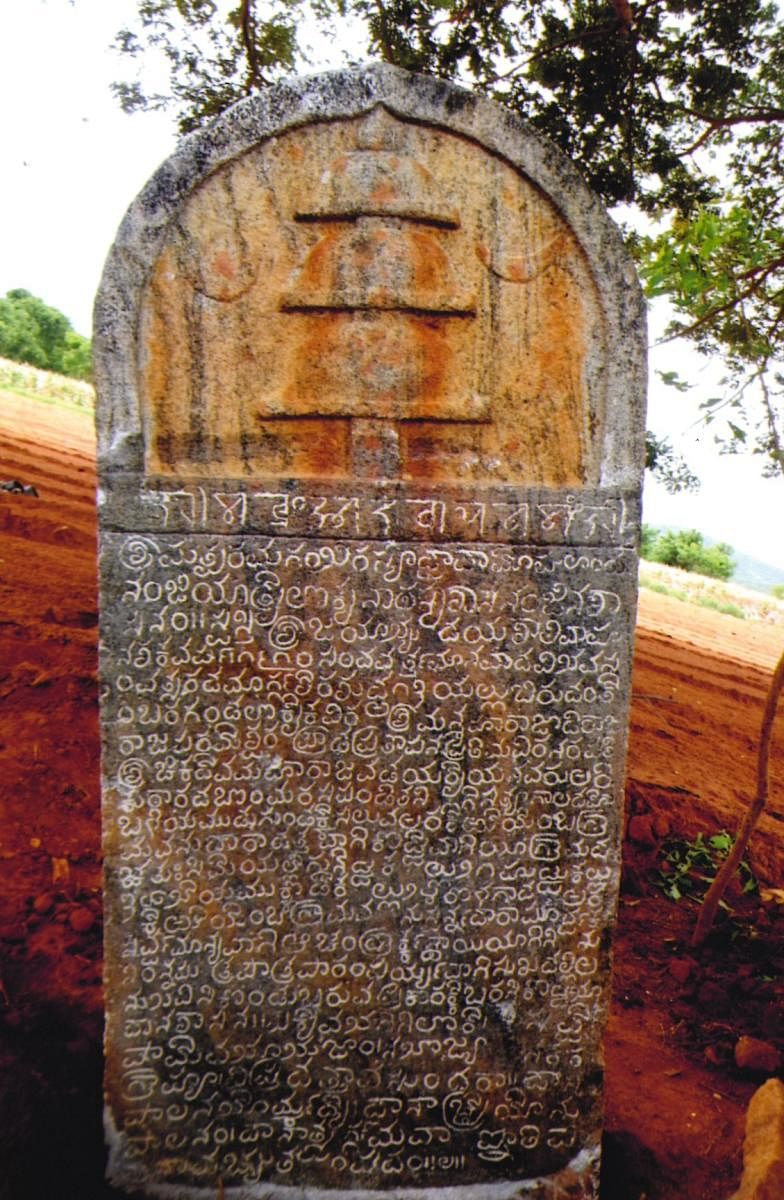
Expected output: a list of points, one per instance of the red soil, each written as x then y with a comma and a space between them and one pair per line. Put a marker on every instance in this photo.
675, 1100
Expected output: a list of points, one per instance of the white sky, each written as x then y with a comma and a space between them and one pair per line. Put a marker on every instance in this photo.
72, 163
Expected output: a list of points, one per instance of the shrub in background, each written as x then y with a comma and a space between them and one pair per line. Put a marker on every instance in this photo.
33, 332
686, 549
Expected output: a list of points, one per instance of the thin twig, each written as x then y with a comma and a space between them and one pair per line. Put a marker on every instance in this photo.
753, 116
770, 414
715, 124
573, 39
717, 889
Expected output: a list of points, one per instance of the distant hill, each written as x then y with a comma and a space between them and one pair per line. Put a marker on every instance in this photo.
752, 573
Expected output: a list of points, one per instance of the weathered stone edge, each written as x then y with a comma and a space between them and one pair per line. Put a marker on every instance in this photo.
345, 94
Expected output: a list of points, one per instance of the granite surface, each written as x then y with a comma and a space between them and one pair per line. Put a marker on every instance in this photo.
370, 363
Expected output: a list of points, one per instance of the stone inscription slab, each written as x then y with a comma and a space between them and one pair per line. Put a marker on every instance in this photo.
365, 794
370, 373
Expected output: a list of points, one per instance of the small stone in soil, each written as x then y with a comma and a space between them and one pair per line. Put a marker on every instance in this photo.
81, 920
719, 1054
681, 969
751, 1054
61, 870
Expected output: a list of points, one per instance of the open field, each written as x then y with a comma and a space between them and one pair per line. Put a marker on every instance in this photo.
675, 1101
730, 598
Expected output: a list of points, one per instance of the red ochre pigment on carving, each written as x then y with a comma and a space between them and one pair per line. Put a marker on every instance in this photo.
354, 318
383, 194
223, 264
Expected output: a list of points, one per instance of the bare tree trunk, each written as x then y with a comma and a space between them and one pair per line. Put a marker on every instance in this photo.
248, 32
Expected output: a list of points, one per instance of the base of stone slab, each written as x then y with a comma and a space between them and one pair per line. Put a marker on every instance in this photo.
578, 1180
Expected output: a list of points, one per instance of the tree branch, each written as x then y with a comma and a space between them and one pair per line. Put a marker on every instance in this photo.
754, 115
248, 34
714, 124
764, 269
757, 274
573, 39
770, 415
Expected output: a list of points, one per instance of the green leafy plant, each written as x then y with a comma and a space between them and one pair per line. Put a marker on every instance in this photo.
728, 608
690, 867
662, 460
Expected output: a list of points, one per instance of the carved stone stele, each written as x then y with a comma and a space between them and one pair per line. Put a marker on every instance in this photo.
370, 362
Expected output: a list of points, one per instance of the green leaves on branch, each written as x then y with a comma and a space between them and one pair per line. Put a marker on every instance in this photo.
624, 88
673, 106
723, 271
665, 463
214, 54
721, 262
32, 332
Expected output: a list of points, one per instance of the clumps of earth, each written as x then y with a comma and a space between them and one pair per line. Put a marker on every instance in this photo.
726, 997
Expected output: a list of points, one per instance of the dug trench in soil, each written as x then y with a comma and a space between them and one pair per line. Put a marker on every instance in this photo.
675, 1101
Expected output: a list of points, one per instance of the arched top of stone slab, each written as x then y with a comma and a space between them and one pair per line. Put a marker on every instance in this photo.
370, 249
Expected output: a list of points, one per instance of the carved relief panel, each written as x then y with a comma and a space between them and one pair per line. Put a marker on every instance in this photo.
415, 296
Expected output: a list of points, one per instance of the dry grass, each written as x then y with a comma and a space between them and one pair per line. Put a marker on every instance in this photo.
730, 598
